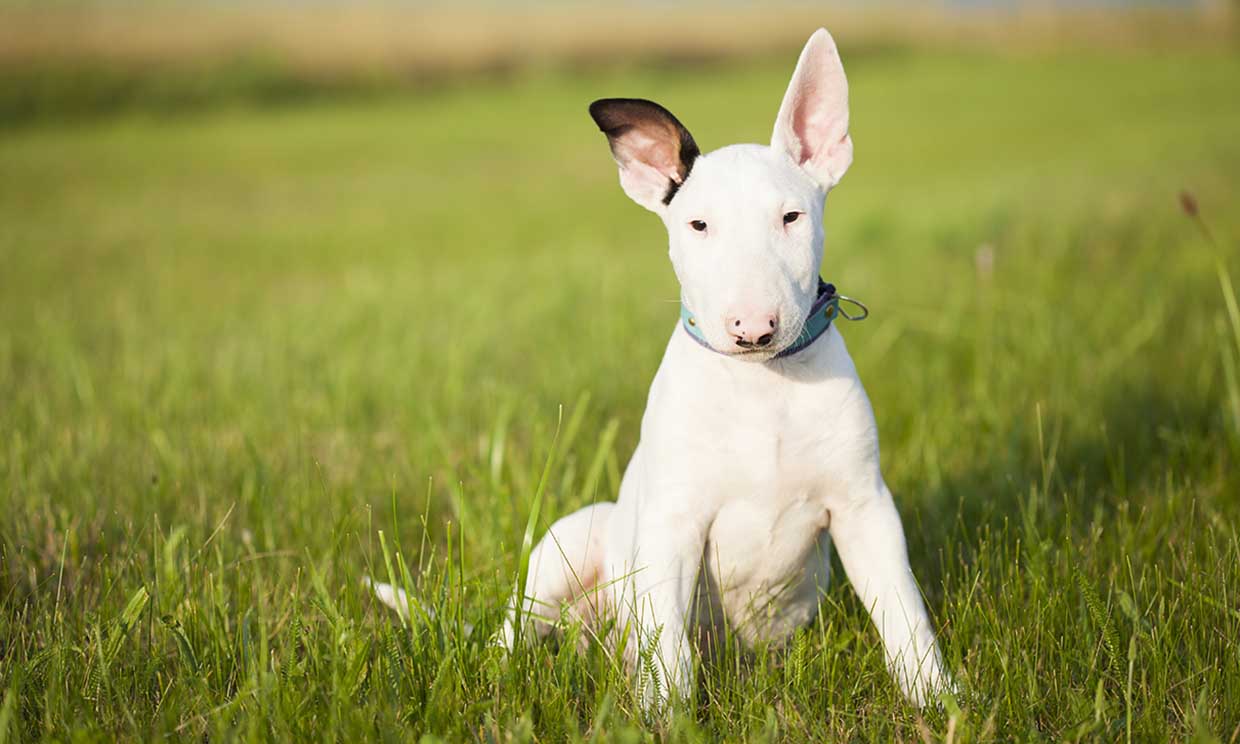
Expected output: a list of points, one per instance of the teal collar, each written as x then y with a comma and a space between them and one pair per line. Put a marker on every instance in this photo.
824, 310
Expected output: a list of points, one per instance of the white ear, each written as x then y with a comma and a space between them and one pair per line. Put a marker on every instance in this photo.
654, 150
812, 126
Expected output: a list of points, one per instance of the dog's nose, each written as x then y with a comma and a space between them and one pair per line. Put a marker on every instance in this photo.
752, 330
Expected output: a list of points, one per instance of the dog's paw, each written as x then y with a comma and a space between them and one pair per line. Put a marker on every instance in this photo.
661, 688
927, 687
505, 639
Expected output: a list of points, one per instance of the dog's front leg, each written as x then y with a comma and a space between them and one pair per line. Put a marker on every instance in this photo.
870, 540
664, 573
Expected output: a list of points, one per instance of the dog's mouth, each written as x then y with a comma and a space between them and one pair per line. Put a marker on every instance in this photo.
755, 352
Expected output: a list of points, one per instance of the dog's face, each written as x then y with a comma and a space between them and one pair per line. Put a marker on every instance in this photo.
744, 222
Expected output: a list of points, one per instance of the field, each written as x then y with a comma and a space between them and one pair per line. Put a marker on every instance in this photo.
249, 354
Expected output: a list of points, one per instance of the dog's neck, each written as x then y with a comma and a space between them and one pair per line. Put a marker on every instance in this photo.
821, 315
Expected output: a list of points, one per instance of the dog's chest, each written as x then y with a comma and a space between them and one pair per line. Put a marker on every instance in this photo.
767, 558
768, 552
775, 447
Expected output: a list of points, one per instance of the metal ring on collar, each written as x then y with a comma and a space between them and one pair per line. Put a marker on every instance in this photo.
865, 311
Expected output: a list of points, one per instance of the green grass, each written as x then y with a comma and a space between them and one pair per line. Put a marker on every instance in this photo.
242, 351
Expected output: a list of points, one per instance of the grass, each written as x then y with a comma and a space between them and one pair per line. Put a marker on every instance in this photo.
250, 355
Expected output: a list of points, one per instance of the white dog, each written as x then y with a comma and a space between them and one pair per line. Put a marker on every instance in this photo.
758, 447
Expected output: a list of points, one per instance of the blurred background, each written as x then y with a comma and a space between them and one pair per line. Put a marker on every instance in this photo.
63, 58
277, 276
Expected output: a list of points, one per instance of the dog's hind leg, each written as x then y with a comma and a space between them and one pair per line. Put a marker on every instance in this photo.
565, 567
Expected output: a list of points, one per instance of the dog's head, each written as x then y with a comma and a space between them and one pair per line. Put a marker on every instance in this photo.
745, 221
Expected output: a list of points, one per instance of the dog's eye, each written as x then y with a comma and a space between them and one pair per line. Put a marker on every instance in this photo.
790, 217
698, 225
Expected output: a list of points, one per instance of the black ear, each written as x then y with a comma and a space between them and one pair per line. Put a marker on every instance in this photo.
653, 149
